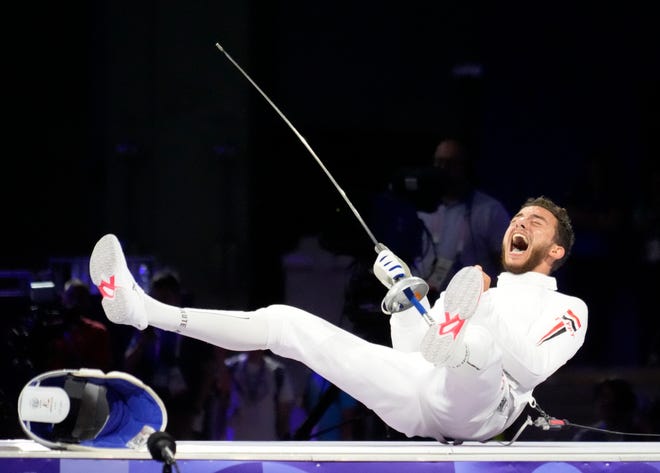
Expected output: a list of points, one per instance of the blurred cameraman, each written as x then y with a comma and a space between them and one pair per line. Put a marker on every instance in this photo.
463, 225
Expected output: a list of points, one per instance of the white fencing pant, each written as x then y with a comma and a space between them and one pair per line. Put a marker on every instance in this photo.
408, 393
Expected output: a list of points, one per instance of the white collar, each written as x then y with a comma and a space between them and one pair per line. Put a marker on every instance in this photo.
531, 277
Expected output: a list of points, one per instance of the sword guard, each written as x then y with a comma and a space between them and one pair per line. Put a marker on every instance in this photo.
397, 298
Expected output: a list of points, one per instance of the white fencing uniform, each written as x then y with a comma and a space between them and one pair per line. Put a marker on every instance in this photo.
522, 332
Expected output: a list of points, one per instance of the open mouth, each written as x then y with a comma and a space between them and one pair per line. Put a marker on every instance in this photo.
519, 243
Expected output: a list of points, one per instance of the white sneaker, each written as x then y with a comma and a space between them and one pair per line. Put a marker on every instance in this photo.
441, 343
123, 298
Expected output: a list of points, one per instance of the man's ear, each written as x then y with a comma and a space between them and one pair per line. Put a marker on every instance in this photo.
557, 252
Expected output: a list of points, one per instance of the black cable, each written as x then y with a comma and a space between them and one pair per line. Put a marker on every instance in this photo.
328, 396
547, 422
606, 431
341, 424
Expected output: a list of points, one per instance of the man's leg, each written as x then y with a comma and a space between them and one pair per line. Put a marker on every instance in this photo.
407, 392
383, 379
471, 400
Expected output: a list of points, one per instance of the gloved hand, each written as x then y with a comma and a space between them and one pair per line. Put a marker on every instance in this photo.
388, 268
404, 290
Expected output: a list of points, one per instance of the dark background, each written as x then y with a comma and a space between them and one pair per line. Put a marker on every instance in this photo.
124, 117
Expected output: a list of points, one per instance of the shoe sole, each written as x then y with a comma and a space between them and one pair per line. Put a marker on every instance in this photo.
104, 255
106, 261
462, 299
463, 292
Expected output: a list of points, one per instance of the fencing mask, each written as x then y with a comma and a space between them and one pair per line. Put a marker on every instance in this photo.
87, 409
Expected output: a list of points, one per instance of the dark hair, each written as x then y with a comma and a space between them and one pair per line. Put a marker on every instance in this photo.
467, 153
564, 235
166, 280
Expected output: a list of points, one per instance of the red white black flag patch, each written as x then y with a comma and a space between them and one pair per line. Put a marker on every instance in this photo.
566, 323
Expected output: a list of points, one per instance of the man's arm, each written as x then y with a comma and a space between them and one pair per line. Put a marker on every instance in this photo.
531, 357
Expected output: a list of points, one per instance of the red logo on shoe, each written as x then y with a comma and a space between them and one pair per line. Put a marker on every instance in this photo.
451, 325
107, 289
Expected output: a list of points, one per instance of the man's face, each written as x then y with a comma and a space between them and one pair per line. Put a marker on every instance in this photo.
449, 158
528, 244
450, 161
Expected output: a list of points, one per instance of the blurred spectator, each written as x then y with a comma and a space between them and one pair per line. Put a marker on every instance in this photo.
215, 394
437, 220
261, 398
616, 410
74, 339
334, 412
463, 224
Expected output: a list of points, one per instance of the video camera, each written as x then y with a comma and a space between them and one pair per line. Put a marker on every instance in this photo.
421, 185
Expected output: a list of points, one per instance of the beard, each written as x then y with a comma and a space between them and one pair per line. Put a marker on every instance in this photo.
535, 259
